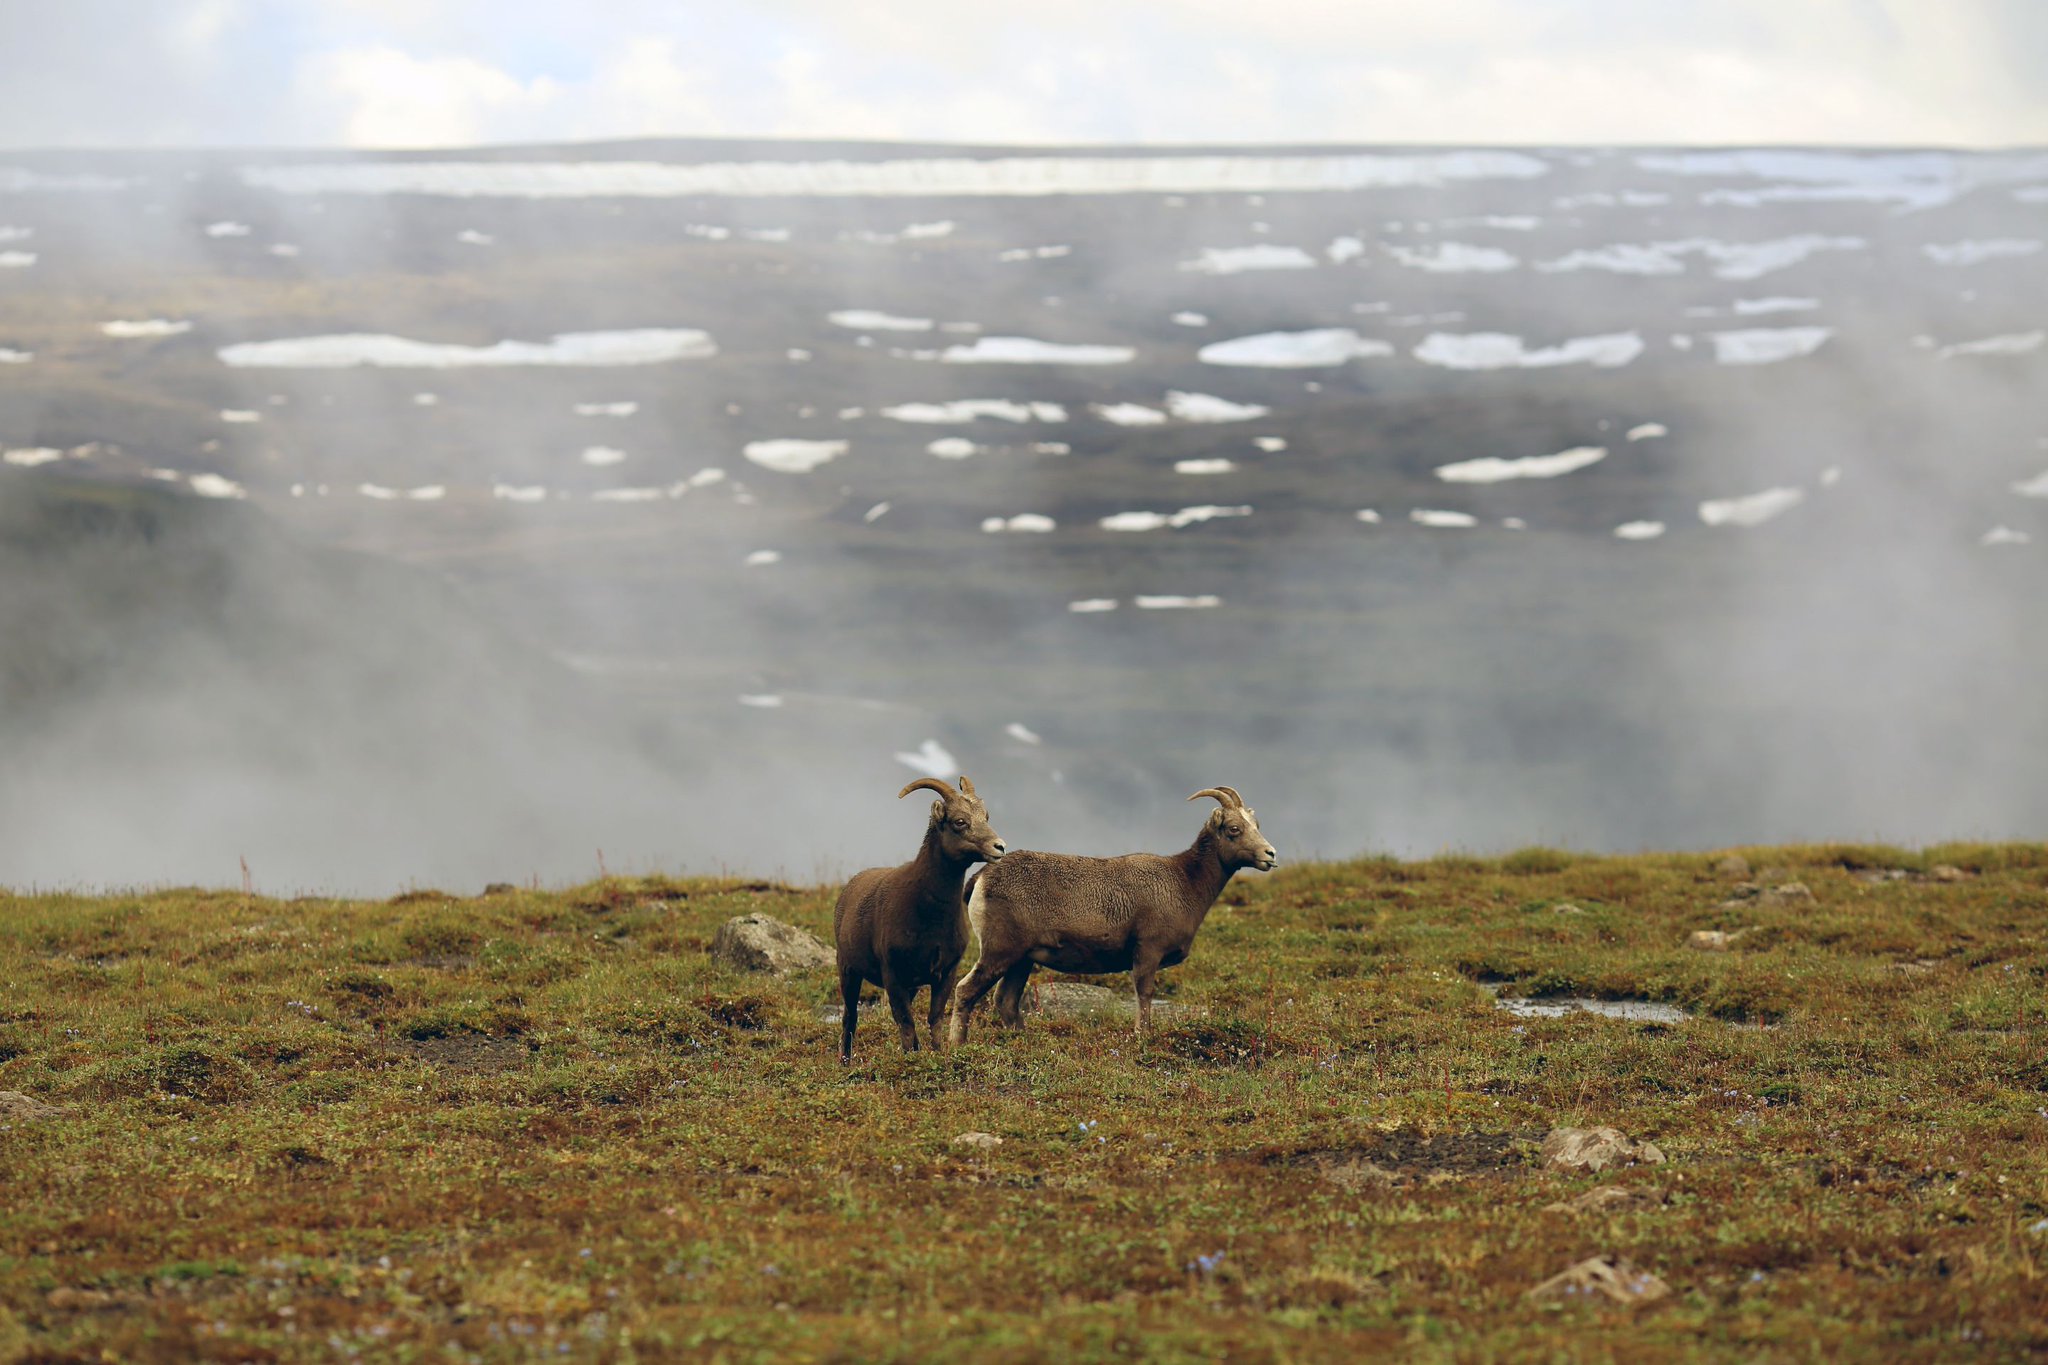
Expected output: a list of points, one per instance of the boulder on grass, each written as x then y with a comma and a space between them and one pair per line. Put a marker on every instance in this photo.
1595, 1149
762, 943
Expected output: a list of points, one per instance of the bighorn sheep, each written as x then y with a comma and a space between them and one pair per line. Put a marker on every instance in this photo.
1136, 913
905, 927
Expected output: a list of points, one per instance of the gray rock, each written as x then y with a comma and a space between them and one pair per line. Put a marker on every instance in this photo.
1946, 872
1715, 940
1595, 1149
762, 943
20, 1108
982, 1142
1734, 866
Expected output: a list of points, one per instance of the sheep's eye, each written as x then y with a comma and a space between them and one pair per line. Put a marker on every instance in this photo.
1232, 830
959, 824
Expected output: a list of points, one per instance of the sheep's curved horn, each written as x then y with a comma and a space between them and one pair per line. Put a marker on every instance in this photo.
966, 784
933, 783
1224, 796
1235, 799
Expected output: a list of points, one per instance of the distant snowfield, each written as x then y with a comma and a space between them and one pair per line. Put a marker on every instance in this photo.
1767, 345
215, 486
1317, 348
1732, 260
968, 409
1639, 530
1648, 431
1035, 253
1500, 351
1092, 604
1026, 351
2005, 535
10, 356
1180, 407
1753, 509
1235, 260
31, 456
17, 260
240, 415
917, 177
1494, 470
506, 492
868, 320
1207, 466
1911, 180
600, 457
640, 346
601, 409
793, 456
137, 328
2036, 487
1440, 519
953, 448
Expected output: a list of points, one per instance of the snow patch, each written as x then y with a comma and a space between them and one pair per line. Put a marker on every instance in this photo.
1213, 466
1092, 604
868, 320
2012, 343
135, 329
600, 457
789, 456
1153, 521
1648, 431
1639, 530
952, 448
1500, 351
1492, 469
1767, 345
1317, 348
1445, 258
1034, 523
1187, 319
1176, 603
626, 409
1450, 521
968, 409
1235, 260
1026, 351
1752, 510
932, 759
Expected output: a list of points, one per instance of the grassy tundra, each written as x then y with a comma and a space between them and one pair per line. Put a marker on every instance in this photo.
545, 1124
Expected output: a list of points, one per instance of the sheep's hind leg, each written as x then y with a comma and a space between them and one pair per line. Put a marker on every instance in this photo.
942, 994
1143, 975
1010, 995
849, 995
899, 1005
973, 986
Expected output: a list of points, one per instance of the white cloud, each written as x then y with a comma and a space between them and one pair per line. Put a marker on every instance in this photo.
389, 98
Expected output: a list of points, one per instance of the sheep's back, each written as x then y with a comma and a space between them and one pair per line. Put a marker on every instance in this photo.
1089, 897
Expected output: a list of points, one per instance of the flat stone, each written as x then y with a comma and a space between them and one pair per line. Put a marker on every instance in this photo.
1608, 1278
21, 1108
1595, 1149
1715, 940
762, 943
1947, 873
985, 1142
1609, 1199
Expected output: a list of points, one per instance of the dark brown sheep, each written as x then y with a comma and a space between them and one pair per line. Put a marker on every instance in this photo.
1136, 913
905, 927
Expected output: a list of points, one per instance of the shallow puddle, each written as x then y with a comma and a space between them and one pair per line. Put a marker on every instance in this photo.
1557, 1006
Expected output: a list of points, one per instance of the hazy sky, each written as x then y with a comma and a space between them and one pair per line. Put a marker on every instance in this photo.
449, 72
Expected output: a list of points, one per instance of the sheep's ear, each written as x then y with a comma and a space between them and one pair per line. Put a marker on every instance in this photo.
938, 810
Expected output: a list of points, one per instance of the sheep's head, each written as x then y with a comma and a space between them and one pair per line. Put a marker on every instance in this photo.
961, 821
1236, 829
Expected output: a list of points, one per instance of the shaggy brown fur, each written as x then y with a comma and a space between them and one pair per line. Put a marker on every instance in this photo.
905, 927
1136, 913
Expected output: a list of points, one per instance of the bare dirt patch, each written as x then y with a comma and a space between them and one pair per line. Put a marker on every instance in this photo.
465, 1052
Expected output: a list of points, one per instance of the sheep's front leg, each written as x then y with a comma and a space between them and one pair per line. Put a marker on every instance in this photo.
899, 1005
942, 992
1143, 975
